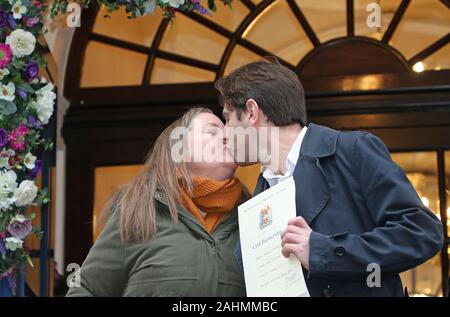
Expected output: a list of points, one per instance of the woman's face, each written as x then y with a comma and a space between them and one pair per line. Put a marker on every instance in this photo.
209, 156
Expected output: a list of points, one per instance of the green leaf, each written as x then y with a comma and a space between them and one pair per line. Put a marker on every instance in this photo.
212, 5
7, 107
30, 262
18, 65
44, 192
27, 88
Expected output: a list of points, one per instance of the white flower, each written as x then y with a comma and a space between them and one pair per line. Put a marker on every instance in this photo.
19, 218
13, 243
3, 72
21, 42
45, 99
8, 184
7, 92
148, 7
18, 9
5, 155
26, 193
29, 160
174, 3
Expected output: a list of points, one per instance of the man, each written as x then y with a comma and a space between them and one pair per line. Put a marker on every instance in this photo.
356, 210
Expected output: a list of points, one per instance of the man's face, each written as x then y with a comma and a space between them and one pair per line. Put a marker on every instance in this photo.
238, 138
231, 117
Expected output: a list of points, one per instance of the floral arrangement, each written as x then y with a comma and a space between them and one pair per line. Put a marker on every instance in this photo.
137, 8
26, 104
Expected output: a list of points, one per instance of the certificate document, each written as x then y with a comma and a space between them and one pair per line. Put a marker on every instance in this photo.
261, 220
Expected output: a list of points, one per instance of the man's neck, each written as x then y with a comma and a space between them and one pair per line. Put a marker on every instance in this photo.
287, 136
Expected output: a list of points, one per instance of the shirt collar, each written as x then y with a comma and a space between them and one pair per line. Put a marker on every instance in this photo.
291, 161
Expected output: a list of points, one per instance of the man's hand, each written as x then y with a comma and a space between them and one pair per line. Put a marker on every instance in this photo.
295, 240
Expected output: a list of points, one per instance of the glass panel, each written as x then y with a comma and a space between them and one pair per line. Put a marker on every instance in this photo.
424, 22
33, 243
52, 68
327, 18
447, 190
424, 280
32, 276
229, 18
139, 31
438, 60
107, 181
249, 176
239, 57
168, 72
287, 40
421, 170
388, 9
105, 65
189, 38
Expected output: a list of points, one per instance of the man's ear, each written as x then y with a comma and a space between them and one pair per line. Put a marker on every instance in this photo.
254, 113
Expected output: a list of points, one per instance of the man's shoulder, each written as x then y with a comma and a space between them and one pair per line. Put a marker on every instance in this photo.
343, 138
351, 137
352, 145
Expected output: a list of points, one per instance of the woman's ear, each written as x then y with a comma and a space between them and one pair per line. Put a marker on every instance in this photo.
253, 113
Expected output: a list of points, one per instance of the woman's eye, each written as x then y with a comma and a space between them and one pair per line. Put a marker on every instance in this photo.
211, 130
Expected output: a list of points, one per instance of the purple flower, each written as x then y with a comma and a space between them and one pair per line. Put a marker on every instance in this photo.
31, 71
3, 19
201, 9
20, 227
36, 170
31, 21
34, 123
2, 247
11, 278
12, 22
3, 138
22, 94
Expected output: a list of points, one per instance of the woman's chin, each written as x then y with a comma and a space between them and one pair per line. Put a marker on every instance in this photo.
228, 169
232, 165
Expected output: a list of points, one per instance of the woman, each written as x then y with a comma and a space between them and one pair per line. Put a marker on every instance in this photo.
173, 229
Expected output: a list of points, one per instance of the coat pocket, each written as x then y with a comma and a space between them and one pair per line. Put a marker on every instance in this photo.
170, 281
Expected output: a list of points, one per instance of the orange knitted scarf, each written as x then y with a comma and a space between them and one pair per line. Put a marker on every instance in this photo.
214, 198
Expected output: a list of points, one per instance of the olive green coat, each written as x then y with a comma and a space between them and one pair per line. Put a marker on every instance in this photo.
182, 259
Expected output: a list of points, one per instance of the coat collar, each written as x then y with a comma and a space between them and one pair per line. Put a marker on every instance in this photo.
319, 141
312, 188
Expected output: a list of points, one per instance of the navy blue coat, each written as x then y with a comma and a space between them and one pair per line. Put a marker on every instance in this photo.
362, 210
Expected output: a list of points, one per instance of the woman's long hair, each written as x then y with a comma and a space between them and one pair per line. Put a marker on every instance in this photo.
137, 222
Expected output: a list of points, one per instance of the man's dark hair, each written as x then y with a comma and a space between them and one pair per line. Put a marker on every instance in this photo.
275, 88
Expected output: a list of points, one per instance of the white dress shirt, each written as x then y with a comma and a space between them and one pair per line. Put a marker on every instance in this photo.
291, 161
